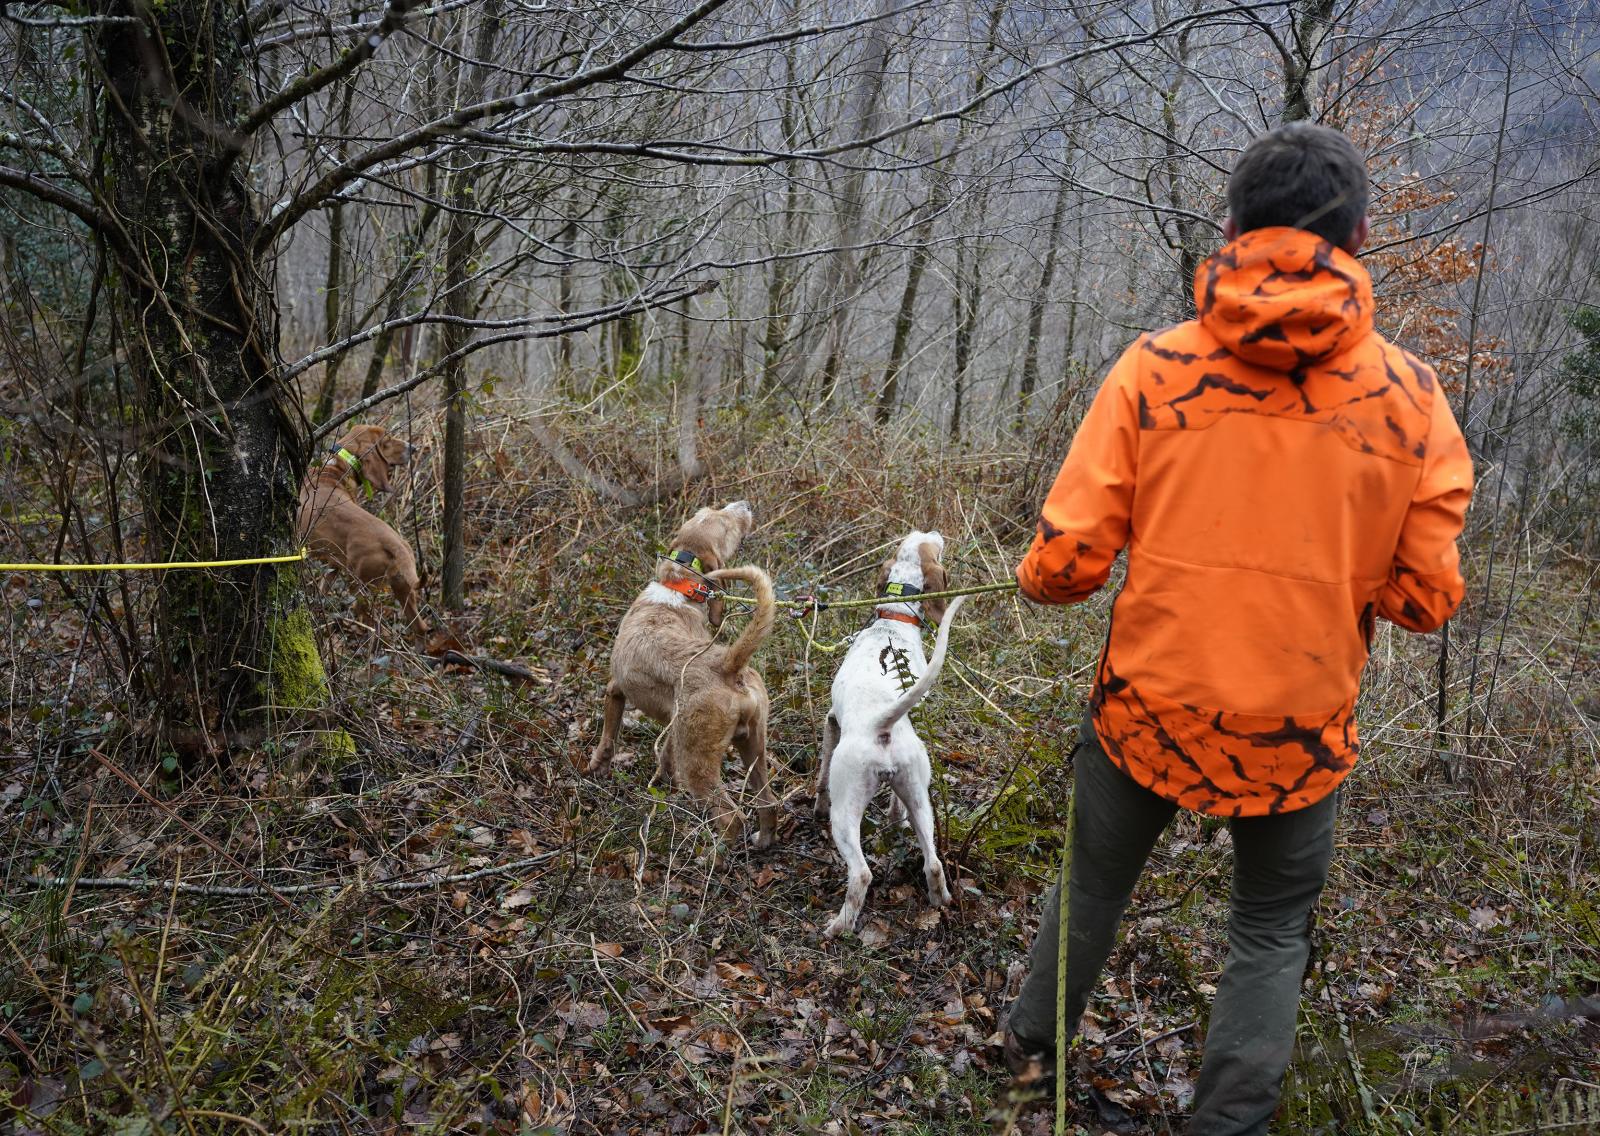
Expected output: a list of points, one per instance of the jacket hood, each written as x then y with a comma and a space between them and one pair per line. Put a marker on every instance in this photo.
1284, 299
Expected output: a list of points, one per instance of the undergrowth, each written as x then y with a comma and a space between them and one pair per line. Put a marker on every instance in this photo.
626, 975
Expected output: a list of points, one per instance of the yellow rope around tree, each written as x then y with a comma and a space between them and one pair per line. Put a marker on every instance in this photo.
166, 566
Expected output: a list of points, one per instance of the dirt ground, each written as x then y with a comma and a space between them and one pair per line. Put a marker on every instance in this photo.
451, 929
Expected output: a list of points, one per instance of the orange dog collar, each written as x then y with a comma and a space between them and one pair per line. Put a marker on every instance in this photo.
899, 617
692, 590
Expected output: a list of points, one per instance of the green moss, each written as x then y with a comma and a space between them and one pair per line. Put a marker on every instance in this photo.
297, 678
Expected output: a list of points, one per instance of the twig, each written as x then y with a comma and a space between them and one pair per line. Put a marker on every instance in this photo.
40, 883
1136, 1050
483, 663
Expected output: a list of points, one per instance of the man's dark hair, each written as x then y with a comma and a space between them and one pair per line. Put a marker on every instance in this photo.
1303, 176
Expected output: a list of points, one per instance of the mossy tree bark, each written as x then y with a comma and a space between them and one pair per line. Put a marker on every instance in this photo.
221, 441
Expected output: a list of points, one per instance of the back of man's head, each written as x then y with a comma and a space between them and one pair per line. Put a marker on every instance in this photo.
1303, 176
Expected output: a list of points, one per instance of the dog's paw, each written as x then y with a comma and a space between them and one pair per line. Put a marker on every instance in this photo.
763, 840
598, 761
938, 890
838, 925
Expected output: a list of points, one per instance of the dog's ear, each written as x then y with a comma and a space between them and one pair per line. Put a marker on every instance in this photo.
715, 610
360, 438
375, 467
933, 580
883, 577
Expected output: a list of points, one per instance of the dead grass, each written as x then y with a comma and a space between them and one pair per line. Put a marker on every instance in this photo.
625, 984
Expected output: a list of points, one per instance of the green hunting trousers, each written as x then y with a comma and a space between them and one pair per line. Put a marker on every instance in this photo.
1280, 865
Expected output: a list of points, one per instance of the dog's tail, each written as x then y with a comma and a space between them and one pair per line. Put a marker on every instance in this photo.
930, 676
761, 619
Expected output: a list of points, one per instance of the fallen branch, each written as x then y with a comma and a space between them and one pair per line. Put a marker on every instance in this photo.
127, 882
483, 663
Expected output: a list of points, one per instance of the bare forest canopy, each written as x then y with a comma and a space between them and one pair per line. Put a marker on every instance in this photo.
601, 263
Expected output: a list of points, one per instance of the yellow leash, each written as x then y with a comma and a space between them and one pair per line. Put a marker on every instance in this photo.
810, 603
153, 567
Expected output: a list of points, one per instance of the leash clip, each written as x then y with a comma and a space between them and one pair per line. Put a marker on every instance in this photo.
808, 604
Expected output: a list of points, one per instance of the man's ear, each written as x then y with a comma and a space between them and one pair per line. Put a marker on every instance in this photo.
1358, 235
1230, 229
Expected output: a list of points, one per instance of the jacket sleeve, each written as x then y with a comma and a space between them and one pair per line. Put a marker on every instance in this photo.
1085, 519
1425, 585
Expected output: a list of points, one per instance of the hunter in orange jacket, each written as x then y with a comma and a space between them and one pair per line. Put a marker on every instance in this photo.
1281, 477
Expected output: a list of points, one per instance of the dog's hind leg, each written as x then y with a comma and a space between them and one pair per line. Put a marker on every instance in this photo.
848, 804
616, 703
911, 787
830, 738
701, 735
752, 745
404, 588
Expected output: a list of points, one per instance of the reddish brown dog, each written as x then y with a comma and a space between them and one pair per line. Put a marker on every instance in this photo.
666, 663
336, 528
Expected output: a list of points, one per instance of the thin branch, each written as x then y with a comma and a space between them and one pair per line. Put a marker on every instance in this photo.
292, 34
569, 320
68, 21
79, 207
131, 883
1040, 69
810, 32
284, 215
394, 18
476, 345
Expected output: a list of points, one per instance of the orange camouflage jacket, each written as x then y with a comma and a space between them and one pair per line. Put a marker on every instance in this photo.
1281, 476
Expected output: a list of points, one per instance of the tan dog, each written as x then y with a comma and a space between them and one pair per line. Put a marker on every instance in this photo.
666, 663
336, 528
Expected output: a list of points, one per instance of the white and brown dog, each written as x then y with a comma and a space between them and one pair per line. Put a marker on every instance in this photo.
666, 663
866, 741
337, 530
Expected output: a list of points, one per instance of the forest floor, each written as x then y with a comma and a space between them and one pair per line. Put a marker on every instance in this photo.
455, 930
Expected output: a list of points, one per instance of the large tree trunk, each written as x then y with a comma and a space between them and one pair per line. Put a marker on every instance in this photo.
401, 288
968, 296
1190, 240
222, 445
413, 261
1041, 291
567, 243
842, 284
333, 295
922, 238
459, 241
783, 276
461, 246
1309, 23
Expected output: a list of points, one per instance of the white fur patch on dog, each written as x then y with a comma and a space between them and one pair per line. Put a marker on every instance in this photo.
656, 592
911, 549
741, 507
